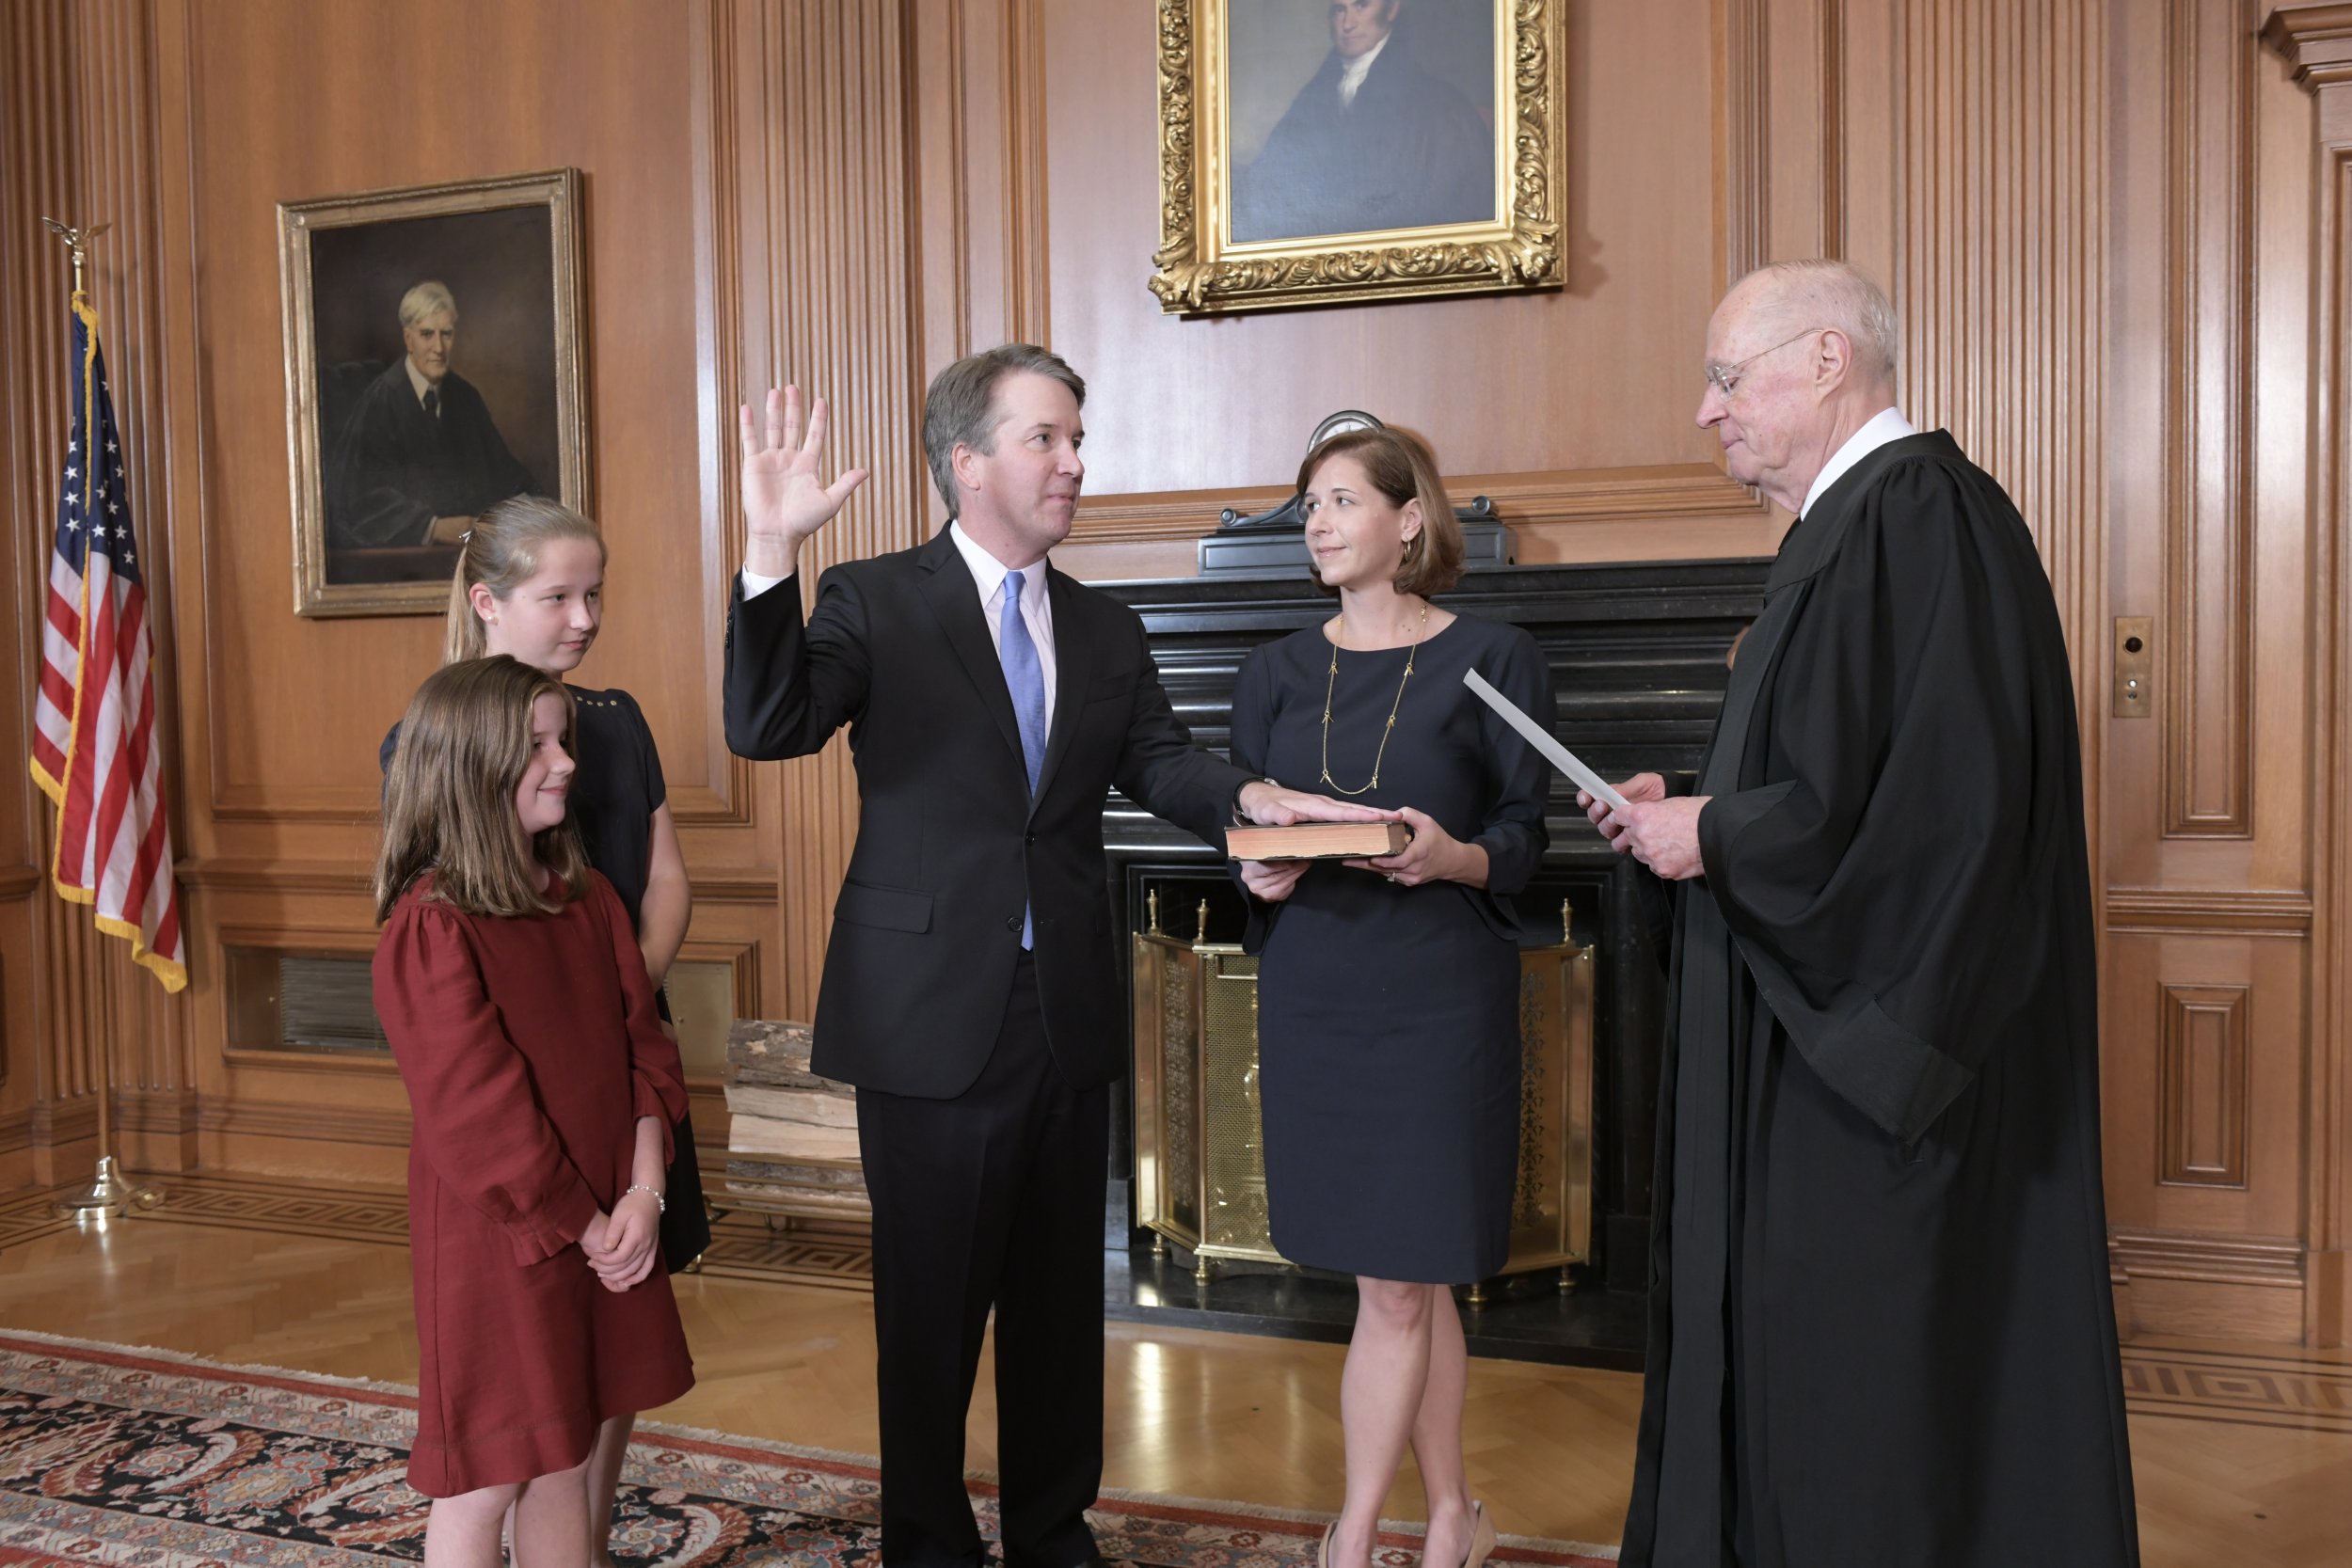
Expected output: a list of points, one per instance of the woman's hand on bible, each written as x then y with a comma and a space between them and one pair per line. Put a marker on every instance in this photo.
1272, 881
625, 1255
1642, 787
1661, 834
784, 498
1434, 856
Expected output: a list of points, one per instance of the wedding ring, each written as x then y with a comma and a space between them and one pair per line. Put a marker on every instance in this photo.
1391, 875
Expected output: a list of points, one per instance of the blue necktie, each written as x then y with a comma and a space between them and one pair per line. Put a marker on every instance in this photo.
1024, 678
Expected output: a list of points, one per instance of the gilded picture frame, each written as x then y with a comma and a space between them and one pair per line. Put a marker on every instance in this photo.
433, 365
1236, 235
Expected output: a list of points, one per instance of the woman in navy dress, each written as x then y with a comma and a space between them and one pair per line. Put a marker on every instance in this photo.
1388, 1010
530, 583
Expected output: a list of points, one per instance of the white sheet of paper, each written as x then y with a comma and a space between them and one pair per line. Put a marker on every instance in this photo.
1540, 737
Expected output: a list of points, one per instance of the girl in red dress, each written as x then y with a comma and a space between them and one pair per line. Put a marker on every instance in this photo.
543, 1090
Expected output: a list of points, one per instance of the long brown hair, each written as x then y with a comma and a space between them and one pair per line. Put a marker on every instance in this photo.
1401, 467
448, 800
502, 550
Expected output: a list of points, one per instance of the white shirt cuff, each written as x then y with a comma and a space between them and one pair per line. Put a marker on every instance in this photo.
754, 584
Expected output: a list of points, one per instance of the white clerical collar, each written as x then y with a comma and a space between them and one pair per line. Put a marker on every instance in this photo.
417, 382
988, 572
1887, 424
1352, 71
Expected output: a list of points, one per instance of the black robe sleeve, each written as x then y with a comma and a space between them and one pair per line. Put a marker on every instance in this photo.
1906, 808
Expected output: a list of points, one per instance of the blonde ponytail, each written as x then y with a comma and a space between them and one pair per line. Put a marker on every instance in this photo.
503, 551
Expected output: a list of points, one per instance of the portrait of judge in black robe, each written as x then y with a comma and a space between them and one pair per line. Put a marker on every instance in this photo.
1881, 1327
419, 454
1378, 139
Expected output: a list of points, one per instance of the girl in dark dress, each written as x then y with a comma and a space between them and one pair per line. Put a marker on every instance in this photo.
543, 1089
1388, 990
530, 583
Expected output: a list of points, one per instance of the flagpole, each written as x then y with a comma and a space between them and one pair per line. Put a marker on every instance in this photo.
109, 1192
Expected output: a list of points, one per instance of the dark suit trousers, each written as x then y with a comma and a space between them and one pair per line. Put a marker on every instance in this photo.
993, 1198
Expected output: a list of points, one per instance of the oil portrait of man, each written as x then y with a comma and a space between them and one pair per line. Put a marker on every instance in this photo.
420, 454
1394, 129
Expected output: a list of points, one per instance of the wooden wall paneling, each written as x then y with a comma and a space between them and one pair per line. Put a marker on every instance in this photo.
81, 148
823, 185
1744, 139
275, 101
2207, 624
1999, 139
2203, 1085
2205, 1141
118, 47
2316, 43
1592, 382
34, 178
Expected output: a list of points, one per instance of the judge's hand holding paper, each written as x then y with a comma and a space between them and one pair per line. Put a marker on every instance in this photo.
1635, 816
1661, 832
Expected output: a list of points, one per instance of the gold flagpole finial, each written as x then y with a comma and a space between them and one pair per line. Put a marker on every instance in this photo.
78, 240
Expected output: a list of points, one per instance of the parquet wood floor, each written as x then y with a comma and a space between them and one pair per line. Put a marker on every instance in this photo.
2243, 1454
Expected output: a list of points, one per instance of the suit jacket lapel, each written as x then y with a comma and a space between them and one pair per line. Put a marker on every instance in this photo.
948, 590
1070, 674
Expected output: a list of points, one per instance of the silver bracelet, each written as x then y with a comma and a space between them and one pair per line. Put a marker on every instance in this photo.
660, 1207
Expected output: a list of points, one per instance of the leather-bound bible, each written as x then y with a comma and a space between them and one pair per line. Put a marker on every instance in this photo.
1317, 841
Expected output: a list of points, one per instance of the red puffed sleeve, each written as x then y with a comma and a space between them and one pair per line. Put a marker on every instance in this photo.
656, 1076
477, 1123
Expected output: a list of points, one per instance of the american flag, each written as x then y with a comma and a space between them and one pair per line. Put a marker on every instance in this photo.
94, 747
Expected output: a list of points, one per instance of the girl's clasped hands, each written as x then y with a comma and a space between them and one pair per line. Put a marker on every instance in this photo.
621, 1245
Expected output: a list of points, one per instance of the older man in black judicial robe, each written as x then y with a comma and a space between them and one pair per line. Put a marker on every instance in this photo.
1373, 141
1880, 1332
419, 445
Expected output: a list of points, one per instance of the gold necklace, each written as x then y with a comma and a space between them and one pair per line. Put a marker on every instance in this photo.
1421, 628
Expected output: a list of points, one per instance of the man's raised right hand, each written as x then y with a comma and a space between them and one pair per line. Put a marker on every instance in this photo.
784, 500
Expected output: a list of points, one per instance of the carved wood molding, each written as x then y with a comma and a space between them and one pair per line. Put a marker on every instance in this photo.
2316, 40
2270, 1262
2210, 911
826, 187
1028, 302
2207, 780
2204, 1064
1600, 496
275, 875
2000, 139
170, 1112
303, 1120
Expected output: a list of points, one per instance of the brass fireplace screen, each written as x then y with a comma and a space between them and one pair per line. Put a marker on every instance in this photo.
1200, 1156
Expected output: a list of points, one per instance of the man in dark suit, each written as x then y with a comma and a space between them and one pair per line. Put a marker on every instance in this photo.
1374, 140
971, 988
420, 456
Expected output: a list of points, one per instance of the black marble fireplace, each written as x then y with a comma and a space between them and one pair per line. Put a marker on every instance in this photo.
1637, 654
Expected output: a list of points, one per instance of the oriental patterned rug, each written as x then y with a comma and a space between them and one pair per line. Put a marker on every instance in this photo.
142, 1459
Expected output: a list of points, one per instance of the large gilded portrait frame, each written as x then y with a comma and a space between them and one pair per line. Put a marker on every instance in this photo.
384, 480
1210, 264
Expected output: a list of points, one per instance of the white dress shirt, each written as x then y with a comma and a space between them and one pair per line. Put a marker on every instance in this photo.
1887, 424
988, 576
1352, 71
417, 382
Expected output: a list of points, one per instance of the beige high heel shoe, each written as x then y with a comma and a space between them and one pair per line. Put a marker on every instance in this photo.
1323, 1547
1481, 1537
